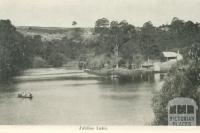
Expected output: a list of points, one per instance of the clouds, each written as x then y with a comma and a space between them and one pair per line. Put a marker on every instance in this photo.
63, 12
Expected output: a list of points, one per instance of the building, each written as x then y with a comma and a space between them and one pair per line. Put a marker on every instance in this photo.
171, 56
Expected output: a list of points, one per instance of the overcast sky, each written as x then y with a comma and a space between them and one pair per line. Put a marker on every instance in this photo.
61, 13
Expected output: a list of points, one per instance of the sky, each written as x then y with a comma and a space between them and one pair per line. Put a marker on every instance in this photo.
61, 13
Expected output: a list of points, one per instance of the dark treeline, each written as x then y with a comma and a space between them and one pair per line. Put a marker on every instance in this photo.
145, 42
134, 45
14, 51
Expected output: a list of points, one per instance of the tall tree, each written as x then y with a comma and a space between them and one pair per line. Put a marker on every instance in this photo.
74, 23
13, 53
102, 25
147, 39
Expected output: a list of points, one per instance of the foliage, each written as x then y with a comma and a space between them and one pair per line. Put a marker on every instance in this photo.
133, 44
147, 41
56, 59
74, 23
183, 82
14, 55
101, 25
38, 62
177, 85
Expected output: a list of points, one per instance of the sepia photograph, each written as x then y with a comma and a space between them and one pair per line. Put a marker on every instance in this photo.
100, 63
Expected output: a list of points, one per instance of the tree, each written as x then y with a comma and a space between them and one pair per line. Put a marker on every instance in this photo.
5, 63
74, 23
177, 25
56, 59
14, 57
176, 85
194, 53
114, 40
179, 83
190, 33
147, 39
193, 59
103, 22
101, 25
114, 27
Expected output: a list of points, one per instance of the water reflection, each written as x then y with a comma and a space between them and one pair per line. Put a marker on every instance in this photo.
7, 87
69, 102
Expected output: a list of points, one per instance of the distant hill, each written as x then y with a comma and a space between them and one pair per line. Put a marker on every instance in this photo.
51, 33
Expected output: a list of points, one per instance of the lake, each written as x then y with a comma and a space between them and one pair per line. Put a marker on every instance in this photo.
73, 97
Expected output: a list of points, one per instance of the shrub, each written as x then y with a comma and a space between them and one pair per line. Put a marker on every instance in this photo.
177, 84
39, 62
56, 59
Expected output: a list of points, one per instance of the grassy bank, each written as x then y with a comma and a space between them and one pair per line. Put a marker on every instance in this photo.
128, 74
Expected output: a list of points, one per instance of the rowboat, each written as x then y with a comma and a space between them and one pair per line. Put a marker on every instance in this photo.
25, 95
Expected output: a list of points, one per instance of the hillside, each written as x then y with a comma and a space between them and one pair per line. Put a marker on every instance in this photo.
51, 33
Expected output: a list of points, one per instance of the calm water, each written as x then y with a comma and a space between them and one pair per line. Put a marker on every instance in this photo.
59, 99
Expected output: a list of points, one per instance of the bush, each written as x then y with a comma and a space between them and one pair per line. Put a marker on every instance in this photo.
178, 84
39, 62
56, 59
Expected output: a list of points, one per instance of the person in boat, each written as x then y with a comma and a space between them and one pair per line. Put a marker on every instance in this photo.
25, 94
